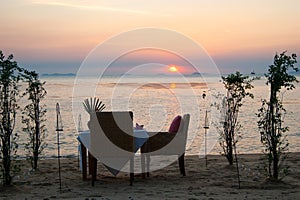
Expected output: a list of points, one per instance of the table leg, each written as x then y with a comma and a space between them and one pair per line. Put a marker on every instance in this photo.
90, 157
143, 165
148, 164
83, 162
93, 169
131, 170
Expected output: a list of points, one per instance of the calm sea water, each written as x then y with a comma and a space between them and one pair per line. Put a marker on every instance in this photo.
155, 101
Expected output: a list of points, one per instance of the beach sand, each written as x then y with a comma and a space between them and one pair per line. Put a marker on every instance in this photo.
217, 181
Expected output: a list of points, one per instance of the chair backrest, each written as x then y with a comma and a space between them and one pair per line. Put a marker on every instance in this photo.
184, 125
112, 134
168, 143
181, 136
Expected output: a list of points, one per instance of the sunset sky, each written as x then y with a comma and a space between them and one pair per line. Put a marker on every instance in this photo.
55, 36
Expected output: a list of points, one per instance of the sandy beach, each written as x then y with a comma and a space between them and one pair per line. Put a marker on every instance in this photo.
217, 181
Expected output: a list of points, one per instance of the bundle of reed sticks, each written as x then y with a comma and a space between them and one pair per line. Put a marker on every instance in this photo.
92, 105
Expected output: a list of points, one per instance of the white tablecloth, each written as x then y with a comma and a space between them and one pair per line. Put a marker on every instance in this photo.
140, 137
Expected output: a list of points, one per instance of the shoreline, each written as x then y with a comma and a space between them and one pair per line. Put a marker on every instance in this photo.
218, 181
201, 156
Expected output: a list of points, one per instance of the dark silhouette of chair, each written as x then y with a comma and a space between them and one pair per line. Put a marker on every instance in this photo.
164, 143
112, 141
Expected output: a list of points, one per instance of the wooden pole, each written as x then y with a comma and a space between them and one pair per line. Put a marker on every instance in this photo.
58, 128
206, 126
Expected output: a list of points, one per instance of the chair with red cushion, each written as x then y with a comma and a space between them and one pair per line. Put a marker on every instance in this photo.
172, 142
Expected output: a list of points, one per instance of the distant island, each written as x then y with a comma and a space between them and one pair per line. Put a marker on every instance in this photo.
196, 74
59, 74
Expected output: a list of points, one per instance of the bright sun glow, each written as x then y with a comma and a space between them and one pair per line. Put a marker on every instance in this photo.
173, 68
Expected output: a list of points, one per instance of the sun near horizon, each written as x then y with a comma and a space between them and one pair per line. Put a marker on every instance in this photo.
173, 68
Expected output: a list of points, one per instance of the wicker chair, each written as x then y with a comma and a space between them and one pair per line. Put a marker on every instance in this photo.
164, 143
111, 140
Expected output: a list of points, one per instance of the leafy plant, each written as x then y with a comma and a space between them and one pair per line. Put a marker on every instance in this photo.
93, 105
236, 86
9, 93
271, 113
34, 116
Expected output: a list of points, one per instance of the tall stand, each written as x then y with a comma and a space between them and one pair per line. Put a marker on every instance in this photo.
206, 126
79, 129
58, 129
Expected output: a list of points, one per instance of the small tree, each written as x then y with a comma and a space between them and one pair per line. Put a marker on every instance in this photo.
236, 86
9, 92
271, 113
34, 117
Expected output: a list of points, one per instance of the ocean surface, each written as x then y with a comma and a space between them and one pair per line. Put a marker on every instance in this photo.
155, 101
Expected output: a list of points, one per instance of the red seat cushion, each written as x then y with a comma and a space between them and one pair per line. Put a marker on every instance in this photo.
175, 124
